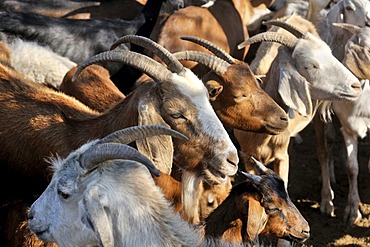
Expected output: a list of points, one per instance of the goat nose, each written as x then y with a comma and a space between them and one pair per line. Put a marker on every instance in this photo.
306, 233
356, 86
233, 159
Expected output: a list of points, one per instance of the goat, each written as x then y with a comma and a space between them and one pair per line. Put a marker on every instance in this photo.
224, 24
344, 12
356, 12
354, 118
267, 51
93, 87
126, 10
82, 188
177, 98
78, 9
269, 210
303, 63
89, 37
38, 63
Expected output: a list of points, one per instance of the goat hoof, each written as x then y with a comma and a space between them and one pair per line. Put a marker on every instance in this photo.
327, 208
351, 217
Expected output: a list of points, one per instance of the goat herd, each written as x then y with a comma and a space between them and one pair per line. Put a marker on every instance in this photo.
168, 122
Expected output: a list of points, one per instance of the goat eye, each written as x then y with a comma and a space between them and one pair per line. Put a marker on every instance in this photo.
311, 66
349, 8
177, 116
63, 195
272, 210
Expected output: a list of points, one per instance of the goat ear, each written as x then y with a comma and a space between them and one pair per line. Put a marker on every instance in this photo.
293, 87
159, 149
257, 219
96, 216
214, 89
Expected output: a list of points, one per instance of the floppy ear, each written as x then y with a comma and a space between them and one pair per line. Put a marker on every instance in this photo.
293, 87
257, 219
159, 149
96, 216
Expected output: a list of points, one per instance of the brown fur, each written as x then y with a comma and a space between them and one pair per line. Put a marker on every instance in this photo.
93, 87
224, 24
244, 214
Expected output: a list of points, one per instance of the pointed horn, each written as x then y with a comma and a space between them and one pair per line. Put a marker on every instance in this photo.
350, 27
141, 62
290, 28
173, 64
218, 51
281, 38
253, 178
128, 135
212, 62
109, 151
261, 166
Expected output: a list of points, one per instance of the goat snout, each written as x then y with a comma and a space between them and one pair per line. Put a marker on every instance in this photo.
356, 86
276, 123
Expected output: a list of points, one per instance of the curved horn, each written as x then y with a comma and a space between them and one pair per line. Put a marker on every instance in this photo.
214, 63
281, 38
173, 64
218, 51
350, 27
141, 62
253, 178
128, 135
290, 28
110, 151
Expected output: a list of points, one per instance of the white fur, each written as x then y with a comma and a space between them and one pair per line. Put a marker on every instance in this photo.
39, 63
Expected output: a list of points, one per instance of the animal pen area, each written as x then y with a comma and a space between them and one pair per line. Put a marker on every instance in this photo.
305, 186
304, 183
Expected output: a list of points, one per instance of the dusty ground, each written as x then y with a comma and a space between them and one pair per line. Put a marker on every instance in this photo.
305, 186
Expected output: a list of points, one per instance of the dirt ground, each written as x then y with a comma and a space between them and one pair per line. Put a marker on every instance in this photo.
305, 186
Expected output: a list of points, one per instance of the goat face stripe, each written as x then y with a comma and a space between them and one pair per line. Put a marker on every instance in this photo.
195, 90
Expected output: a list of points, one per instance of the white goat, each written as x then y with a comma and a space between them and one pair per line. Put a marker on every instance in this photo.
356, 12
102, 194
304, 73
344, 12
354, 118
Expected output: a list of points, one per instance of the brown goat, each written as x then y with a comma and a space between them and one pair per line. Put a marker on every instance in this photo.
93, 87
259, 205
235, 94
224, 24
